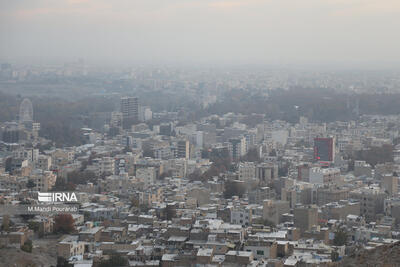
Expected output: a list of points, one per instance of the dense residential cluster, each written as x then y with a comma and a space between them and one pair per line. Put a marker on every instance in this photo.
213, 192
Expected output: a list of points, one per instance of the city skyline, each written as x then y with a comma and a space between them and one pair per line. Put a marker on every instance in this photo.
218, 133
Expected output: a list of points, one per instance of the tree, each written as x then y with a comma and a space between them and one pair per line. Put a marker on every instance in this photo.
302, 143
219, 165
81, 177
163, 175
265, 222
43, 147
33, 226
170, 212
62, 262
114, 261
135, 202
350, 165
340, 238
334, 256
376, 155
144, 207
114, 131
283, 170
64, 223
86, 216
195, 176
5, 226
31, 184
233, 189
27, 246
84, 164
251, 156
8, 164
147, 152
126, 149
62, 185
27, 217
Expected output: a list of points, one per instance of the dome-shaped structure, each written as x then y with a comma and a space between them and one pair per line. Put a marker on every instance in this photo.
26, 111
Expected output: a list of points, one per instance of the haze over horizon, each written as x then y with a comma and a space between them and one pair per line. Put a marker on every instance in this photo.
360, 32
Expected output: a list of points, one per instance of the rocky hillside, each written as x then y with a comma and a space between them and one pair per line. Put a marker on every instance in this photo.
382, 256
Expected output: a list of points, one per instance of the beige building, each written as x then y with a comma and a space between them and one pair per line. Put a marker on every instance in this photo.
147, 175
150, 196
362, 168
274, 209
62, 157
43, 163
325, 176
340, 210
44, 181
107, 165
371, 201
70, 246
390, 184
266, 172
11, 182
306, 217
46, 224
331, 194
238, 258
261, 248
247, 171
183, 149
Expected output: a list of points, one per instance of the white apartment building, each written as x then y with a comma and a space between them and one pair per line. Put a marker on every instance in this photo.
324, 176
247, 171
147, 175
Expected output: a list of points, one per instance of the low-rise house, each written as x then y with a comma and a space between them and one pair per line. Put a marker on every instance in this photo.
70, 246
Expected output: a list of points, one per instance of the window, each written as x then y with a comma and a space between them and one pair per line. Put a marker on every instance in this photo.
260, 252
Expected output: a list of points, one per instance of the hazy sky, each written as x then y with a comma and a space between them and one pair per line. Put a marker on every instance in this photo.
250, 31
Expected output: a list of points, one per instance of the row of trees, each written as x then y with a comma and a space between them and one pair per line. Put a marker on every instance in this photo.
73, 178
375, 155
63, 224
233, 188
318, 104
60, 119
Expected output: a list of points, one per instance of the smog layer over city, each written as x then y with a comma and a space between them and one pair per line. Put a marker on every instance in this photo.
201, 133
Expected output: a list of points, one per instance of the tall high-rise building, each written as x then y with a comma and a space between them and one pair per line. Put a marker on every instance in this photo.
303, 172
130, 107
371, 200
247, 171
116, 119
26, 111
390, 184
237, 147
183, 149
274, 209
129, 110
145, 113
266, 172
26, 114
324, 149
